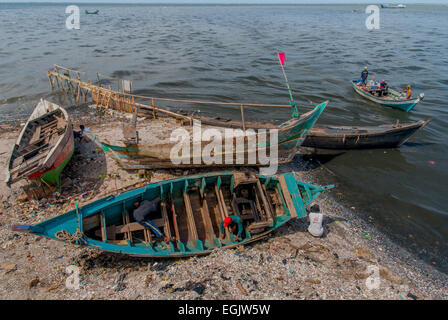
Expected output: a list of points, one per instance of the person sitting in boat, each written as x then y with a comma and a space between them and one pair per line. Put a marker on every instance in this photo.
407, 92
235, 226
373, 86
144, 210
383, 88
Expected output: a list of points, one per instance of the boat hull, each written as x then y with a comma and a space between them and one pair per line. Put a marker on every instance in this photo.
58, 144
405, 105
193, 223
343, 137
291, 134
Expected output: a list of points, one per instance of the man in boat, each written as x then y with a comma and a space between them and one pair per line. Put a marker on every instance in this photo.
407, 91
364, 75
383, 88
145, 209
235, 226
373, 86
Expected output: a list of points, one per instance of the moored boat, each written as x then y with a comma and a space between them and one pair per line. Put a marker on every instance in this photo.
44, 147
393, 99
92, 12
290, 136
362, 137
192, 210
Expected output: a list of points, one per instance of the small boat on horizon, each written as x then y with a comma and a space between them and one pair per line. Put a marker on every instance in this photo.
393, 6
92, 12
362, 137
44, 147
393, 98
190, 213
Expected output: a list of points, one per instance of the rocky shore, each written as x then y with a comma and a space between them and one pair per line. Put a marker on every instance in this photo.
351, 261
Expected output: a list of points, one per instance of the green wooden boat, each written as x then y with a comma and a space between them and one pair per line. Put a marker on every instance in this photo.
191, 211
393, 98
291, 134
44, 147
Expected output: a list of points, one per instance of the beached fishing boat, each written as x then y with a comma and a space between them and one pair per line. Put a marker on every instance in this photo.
191, 212
291, 134
92, 12
393, 99
362, 137
393, 6
44, 146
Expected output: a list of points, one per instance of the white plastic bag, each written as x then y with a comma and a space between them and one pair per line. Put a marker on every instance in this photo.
316, 228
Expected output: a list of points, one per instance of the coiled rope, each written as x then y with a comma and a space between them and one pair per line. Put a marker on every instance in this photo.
64, 235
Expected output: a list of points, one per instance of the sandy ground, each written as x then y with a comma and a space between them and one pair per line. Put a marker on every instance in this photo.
291, 264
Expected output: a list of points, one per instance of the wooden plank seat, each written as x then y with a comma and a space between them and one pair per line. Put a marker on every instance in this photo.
112, 231
258, 226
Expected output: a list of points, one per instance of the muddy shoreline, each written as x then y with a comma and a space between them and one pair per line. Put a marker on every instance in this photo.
289, 264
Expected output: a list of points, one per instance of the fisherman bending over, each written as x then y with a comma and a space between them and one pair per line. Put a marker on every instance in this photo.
235, 226
408, 92
80, 134
143, 210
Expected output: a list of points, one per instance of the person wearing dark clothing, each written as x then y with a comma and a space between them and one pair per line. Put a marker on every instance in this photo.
383, 88
364, 75
235, 226
144, 210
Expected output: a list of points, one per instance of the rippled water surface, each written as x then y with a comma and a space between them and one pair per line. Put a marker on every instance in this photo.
227, 53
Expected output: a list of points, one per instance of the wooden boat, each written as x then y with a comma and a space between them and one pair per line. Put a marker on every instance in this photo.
393, 6
344, 137
393, 98
191, 210
92, 12
291, 134
44, 146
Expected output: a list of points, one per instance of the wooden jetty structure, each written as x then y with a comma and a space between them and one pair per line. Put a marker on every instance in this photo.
115, 93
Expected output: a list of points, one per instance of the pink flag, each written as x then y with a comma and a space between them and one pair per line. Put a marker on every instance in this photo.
281, 57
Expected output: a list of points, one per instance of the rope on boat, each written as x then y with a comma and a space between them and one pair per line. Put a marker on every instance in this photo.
64, 235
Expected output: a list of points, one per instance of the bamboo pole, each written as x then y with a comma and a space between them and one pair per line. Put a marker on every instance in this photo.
153, 110
242, 118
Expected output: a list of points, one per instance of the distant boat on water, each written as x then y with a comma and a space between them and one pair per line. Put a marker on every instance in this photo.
92, 12
393, 6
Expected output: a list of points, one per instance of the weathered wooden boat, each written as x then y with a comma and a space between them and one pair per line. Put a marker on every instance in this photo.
44, 146
393, 99
92, 12
393, 6
362, 137
191, 211
290, 136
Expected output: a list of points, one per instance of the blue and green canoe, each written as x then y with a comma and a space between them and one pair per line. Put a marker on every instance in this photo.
191, 211
393, 99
